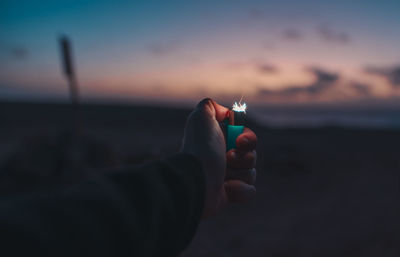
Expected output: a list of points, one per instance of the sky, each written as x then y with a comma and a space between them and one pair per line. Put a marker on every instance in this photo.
270, 52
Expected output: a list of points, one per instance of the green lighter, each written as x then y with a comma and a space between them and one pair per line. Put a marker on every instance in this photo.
235, 124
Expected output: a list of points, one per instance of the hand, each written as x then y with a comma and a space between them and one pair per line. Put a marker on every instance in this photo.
229, 176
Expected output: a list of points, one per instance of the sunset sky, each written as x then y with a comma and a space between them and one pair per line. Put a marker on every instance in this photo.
272, 52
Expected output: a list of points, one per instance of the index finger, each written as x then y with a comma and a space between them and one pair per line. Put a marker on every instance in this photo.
246, 141
216, 110
221, 112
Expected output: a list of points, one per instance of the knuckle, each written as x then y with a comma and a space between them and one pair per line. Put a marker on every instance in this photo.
246, 175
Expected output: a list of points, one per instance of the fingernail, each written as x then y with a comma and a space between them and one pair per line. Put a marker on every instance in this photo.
233, 154
245, 140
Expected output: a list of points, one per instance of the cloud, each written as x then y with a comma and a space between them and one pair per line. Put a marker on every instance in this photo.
323, 81
19, 52
259, 66
16, 52
392, 74
291, 91
256, 14
361, 88
269, 46
292, 35
330, 35
163, 49
266, 68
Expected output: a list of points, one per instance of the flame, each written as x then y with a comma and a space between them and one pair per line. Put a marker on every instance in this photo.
239, 107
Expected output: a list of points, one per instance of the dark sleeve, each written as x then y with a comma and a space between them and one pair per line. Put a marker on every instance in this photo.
151, 210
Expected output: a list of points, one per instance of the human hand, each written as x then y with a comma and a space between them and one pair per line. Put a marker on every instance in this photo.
230, 177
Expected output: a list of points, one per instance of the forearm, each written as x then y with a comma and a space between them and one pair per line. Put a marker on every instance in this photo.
151, 210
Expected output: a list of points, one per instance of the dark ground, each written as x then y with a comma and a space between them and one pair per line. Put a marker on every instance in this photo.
321, 192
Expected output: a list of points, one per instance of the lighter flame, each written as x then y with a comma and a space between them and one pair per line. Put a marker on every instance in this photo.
239, 107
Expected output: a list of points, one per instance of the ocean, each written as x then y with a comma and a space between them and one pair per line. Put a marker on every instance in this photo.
314, 117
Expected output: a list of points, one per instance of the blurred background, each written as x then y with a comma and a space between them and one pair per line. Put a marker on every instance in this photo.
321, 80
340, 54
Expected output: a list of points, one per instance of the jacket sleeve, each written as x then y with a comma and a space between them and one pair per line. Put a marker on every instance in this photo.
150, 210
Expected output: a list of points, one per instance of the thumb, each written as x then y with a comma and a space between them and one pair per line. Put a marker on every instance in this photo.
212, 108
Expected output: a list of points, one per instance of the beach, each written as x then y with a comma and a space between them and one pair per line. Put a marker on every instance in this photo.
321, 191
